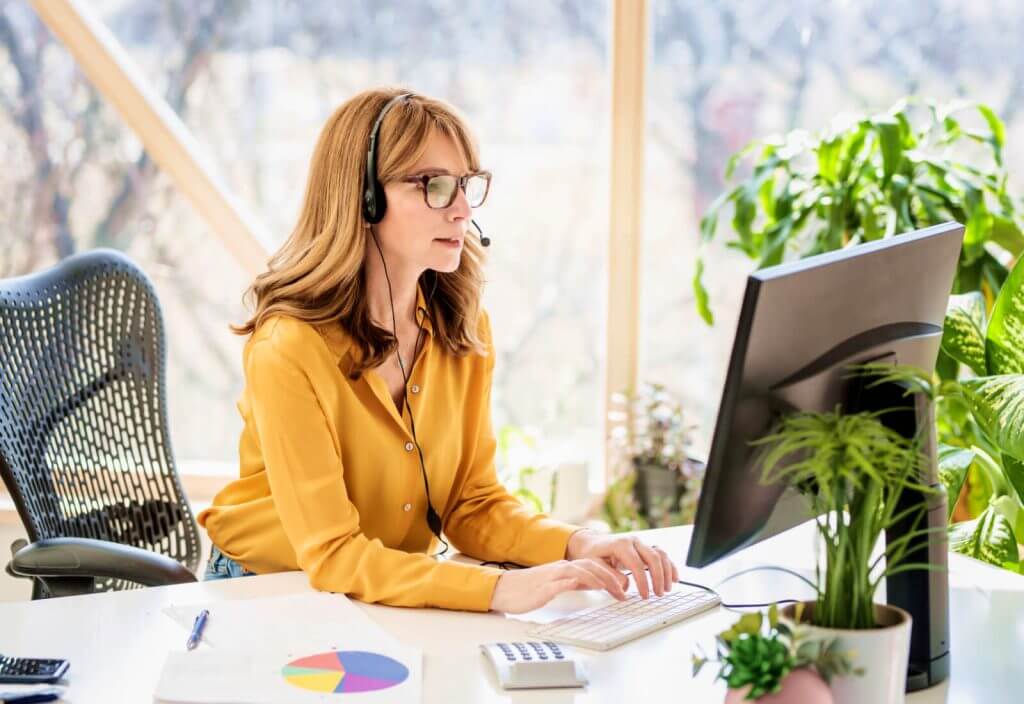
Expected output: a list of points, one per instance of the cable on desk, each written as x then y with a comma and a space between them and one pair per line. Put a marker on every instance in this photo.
509, 565
735, 607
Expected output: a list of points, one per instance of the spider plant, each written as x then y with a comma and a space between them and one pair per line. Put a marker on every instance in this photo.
854, 470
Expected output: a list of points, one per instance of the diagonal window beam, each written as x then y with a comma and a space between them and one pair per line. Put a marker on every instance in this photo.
165, 137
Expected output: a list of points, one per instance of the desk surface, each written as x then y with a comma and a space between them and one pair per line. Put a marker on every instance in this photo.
117, 642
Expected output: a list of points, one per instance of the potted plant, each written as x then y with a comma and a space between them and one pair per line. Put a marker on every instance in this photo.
854, 470
649, 440
873, 176
771, 662
981, 427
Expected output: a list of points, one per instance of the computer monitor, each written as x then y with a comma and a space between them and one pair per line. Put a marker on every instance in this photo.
801, 327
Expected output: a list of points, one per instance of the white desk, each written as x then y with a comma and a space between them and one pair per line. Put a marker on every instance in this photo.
117, 642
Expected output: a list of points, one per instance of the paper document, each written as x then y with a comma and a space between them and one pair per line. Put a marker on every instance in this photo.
217, 677
298, 648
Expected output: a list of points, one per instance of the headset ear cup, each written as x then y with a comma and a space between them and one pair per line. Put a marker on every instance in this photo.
375, 204
380, 202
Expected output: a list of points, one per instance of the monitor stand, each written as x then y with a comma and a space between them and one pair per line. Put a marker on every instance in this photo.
924, 594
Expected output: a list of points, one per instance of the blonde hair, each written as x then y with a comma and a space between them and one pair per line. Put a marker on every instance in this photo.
317, 276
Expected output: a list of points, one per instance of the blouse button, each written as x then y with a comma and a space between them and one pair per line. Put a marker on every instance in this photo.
407, 507
409, 447
415, 388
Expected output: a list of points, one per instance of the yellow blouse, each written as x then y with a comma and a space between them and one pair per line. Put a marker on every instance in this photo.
330, 480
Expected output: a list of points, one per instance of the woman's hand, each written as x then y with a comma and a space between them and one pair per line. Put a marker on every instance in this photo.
625, 552
518, 591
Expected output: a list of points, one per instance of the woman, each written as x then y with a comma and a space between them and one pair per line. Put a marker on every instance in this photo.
368, 378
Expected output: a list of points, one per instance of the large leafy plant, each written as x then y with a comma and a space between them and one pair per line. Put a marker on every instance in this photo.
983, 424
854, 470
869, 177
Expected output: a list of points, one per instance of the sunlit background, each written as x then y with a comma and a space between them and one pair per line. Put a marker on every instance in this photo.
254, 82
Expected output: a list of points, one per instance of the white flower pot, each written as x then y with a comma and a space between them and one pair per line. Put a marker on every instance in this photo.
883, 653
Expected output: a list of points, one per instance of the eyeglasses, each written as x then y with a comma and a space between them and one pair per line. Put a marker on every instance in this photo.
439, 190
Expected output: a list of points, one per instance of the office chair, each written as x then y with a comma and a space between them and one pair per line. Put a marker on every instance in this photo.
84, 446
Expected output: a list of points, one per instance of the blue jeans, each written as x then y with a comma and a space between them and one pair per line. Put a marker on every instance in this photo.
220, 566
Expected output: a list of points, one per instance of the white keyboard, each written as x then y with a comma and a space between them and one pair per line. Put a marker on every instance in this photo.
606, 627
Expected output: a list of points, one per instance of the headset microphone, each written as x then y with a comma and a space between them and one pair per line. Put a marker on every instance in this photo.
484, 239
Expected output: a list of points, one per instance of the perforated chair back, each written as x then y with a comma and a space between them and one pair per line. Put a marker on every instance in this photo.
84, 445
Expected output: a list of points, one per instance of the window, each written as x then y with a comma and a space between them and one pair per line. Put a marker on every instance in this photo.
254, 82
728, 72
76, 178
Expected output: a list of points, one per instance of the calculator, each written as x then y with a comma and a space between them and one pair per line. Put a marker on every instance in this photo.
534, 665
31, 670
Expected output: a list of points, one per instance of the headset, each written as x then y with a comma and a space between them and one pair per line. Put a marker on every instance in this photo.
375, 204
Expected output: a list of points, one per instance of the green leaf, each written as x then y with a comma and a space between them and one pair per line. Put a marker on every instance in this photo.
979, 220
951, 130
997, 403
1009, 507
709, 222
749, 623
1013, 469
745, 205
888, 130
853, 145
828, 158
698, 664
1007, 234
953, 465
998, 138
979, 491
989, 537
700, 293
1004, 344
735, 159
963, 332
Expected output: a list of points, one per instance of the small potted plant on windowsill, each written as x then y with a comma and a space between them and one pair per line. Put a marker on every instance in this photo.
771, 662
649, 441
854, 470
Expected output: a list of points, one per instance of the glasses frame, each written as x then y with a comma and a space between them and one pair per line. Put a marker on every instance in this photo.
461, 183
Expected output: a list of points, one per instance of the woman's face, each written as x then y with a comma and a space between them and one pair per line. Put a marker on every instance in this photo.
418, 236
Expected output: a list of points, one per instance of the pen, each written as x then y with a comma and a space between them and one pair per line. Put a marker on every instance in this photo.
197, 629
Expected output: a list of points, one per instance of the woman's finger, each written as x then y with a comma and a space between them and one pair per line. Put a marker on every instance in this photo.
669, 568
628, 556
654, 565
586, 579
615, 582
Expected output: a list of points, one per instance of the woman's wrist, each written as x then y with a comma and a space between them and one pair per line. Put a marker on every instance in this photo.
577, 543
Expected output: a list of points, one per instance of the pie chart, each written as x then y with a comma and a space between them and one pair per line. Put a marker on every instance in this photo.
345, 672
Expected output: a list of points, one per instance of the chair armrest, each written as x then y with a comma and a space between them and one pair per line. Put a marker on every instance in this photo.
88, 558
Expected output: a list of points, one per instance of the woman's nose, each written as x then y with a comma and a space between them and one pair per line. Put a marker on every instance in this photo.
460, 206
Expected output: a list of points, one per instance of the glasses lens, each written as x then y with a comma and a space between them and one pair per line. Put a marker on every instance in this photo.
441, 191
476, 190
